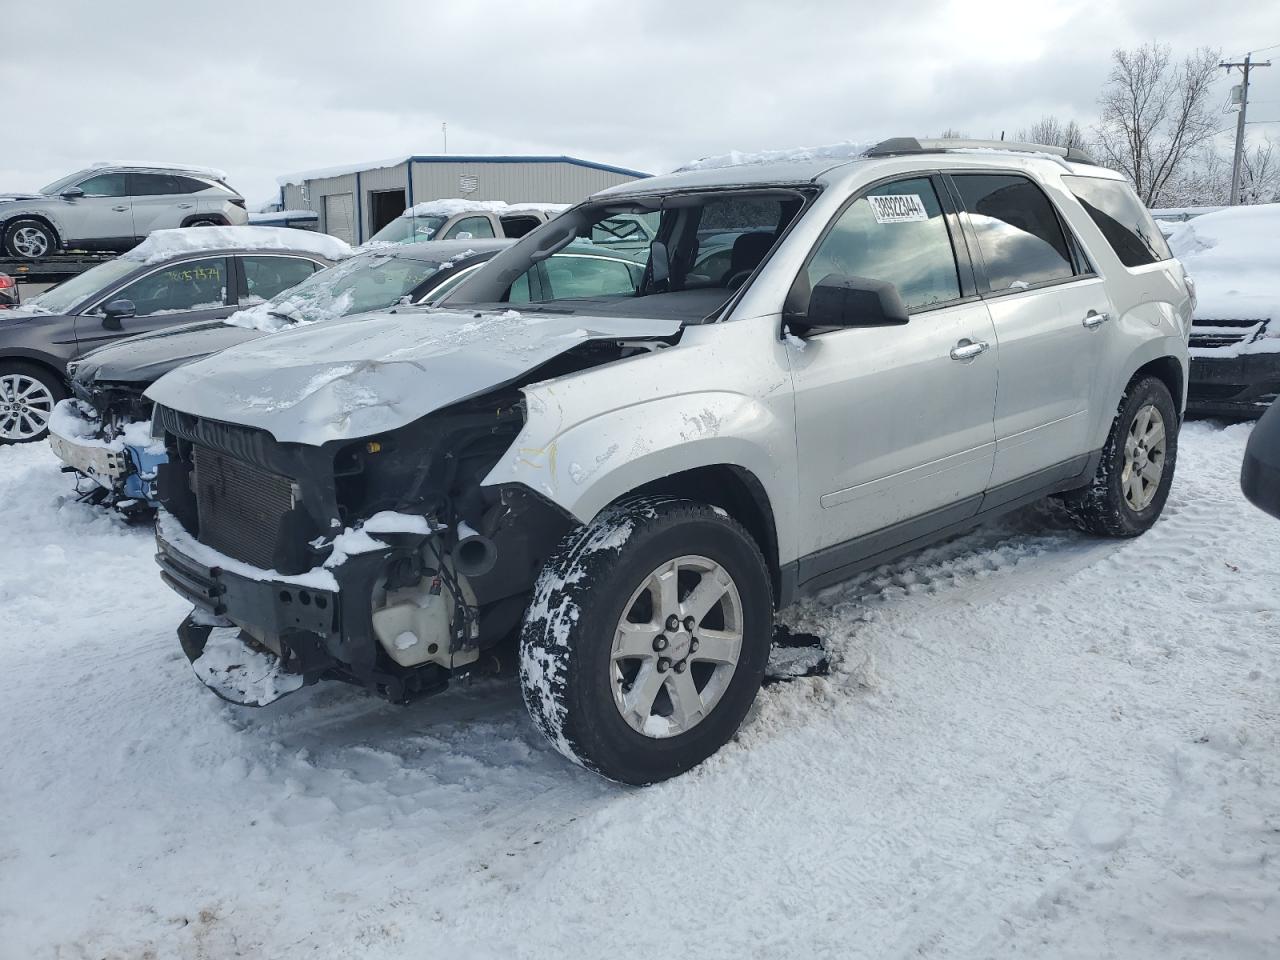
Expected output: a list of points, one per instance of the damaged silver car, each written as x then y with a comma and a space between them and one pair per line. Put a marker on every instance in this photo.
626, 470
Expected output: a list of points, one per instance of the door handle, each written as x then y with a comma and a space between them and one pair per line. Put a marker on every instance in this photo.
185, 206
968, 349
120, 209
1095, 319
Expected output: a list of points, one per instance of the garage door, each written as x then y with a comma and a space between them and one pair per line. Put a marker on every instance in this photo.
340, 216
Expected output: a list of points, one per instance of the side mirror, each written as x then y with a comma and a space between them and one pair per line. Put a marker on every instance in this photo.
115, 311
71, 193
1260, 473
838, 301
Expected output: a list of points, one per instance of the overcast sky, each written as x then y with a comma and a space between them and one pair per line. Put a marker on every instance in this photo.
265, 88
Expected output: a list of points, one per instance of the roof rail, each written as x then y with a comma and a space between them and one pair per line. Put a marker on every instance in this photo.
897, 146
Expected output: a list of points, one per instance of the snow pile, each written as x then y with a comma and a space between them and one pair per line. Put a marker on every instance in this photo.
213, 172
241, 673
165, 244
79, 423
1010, 758
845, 150
283, 311
1232, 257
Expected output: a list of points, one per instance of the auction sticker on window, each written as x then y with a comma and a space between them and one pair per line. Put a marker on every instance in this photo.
898, 208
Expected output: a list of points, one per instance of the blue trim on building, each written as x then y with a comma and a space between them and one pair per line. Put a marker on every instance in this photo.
359, 211
589, 164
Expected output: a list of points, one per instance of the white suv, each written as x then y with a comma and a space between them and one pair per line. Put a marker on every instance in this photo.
896, 346
115, 207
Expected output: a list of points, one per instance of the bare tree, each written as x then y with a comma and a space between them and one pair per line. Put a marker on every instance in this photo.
1155, 114
951, 133
1260, 175
1054, 133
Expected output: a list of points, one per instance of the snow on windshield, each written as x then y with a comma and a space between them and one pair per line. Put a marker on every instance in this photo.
163, 244
845, 150
1231, 257
371, 281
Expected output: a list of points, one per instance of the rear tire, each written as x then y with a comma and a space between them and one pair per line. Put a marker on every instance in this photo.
206, 222
1132, 484
30, 240
618, 682
27, 396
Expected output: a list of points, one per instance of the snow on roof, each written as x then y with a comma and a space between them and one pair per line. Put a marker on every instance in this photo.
1231, 257
164, 244
180, 167
845, 150
341, 170
449, 207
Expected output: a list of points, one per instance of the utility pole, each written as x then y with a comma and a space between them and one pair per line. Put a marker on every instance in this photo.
444, 134
1237, 160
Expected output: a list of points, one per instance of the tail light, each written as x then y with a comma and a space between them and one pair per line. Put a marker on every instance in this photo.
238, 201
8, 291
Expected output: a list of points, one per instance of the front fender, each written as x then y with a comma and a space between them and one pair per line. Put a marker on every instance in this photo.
19, 209
588, 465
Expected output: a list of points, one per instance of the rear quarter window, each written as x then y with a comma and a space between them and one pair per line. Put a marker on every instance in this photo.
1123, 220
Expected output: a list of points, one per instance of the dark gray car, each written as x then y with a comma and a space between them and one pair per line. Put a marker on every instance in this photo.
104, 434
185, 276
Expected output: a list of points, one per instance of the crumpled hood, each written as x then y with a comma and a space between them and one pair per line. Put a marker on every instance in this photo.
147, 357
370, 373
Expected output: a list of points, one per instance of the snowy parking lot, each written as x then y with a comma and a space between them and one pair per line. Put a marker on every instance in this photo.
1031, 743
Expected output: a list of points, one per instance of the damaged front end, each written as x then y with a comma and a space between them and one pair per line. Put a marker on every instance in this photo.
381, 562
103, 436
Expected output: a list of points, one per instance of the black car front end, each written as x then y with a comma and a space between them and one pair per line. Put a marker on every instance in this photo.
380, 561
1233, 373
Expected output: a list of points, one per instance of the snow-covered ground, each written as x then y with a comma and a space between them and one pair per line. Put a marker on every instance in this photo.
1032, 744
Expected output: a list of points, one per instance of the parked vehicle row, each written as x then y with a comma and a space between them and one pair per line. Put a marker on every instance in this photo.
175, 276
806, 368
114, 206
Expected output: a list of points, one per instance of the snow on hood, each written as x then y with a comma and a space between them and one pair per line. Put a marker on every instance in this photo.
1232, 257
164, 244
369, 373
7, 197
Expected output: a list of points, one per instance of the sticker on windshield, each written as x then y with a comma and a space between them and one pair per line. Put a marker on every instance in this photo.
898, 208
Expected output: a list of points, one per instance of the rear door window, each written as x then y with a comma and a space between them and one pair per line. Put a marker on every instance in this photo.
895, 232
518, 226
1122, 218
1019, 235
264, 277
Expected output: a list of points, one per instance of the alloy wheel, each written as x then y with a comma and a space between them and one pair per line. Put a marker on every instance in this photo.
25, 407
676, 646
30, 242
1144, 458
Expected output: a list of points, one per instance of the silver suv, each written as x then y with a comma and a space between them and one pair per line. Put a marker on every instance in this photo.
629, 482
115, 207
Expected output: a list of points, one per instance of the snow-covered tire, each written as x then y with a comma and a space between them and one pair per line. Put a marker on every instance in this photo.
29, 239
1103, 507
574, 678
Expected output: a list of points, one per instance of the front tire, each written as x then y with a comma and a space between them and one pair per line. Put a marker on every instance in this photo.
30, 240
28, 394
647, 639
1129, 491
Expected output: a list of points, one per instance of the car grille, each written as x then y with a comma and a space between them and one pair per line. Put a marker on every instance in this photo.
1212, 332
240, 506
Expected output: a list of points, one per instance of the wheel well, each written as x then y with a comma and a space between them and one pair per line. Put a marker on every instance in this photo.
4, 227
738, 493
58, 375
219, 218
1167, 370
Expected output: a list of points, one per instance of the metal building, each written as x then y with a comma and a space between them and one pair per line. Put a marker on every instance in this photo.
356, 201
